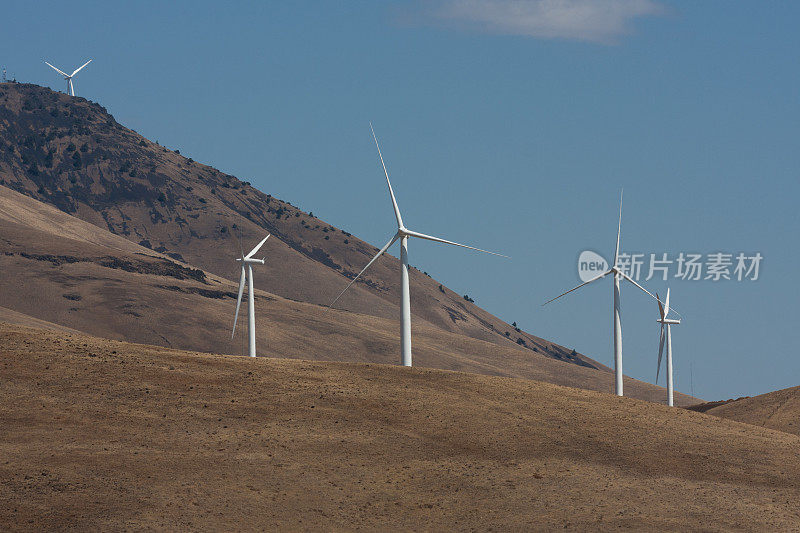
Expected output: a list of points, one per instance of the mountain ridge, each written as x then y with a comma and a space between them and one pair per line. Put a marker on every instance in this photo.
72, 154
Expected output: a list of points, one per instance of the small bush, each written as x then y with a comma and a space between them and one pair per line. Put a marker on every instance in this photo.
467, 298
71, 147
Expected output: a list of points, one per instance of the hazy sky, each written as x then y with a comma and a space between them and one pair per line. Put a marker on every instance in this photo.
506, 124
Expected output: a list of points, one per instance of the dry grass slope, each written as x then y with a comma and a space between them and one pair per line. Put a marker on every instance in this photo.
778, 410
105, 435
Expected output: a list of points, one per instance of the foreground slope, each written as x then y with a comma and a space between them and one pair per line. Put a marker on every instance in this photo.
104, 435
778, 410
70, 153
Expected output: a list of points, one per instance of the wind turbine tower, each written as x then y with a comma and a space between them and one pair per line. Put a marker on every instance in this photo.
247, 272
68, 77
402, 235
619, 275
666, 335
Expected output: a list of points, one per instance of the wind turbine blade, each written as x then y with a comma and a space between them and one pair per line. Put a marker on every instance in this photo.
258, 246
443, 241
57, 70
619, 230
632, 281
604, 274
660, 308
238, 301
80, 67
660, 352
666, 304
380, 253
391, 192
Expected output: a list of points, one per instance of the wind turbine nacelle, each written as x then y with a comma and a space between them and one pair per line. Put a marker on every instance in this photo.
668, 321
254, 261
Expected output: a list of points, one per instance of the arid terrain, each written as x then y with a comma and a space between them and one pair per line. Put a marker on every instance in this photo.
105, 435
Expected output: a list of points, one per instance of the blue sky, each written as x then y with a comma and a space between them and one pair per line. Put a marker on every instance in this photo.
506, 124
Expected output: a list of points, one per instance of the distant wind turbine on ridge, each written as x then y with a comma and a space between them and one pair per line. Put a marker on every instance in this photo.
666, 335
68, 77
402, 235
248, 261
618, 276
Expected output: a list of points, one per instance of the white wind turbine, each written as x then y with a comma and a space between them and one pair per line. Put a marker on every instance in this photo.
68, 77
618, 276
251, 310
666, 334
402, 234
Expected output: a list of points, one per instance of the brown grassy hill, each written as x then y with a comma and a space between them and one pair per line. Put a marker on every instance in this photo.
102, 435
65, 271
70, 153
778, 410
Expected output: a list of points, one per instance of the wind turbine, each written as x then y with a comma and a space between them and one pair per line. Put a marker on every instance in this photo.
402, 235
619, 275
666, 334
251, 310
68, 77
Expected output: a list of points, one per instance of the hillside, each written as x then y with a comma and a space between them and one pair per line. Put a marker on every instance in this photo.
779, 410
71, 274
103, 435
70, 153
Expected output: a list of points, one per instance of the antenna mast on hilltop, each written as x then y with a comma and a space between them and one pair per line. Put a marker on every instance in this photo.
4, 75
